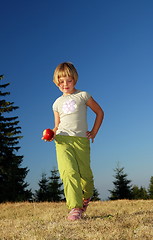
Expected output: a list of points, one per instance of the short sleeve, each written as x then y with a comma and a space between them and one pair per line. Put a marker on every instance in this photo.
54, 107
86, 96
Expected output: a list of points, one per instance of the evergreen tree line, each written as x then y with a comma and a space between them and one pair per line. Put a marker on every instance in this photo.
123, 189
13, 186
51, 189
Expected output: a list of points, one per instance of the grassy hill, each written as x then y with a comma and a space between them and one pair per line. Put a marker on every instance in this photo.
110, 220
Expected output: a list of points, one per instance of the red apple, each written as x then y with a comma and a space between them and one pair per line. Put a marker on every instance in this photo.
48, 134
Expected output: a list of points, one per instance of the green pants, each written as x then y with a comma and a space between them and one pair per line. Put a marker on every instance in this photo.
73, 158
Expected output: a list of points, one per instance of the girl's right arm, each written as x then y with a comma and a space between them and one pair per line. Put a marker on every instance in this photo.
56, 121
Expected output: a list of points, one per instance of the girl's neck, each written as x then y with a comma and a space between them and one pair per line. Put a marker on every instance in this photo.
66, 94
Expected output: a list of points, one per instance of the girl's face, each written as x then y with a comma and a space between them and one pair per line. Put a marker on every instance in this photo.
66, 85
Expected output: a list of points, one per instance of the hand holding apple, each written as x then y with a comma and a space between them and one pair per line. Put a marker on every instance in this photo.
48, 134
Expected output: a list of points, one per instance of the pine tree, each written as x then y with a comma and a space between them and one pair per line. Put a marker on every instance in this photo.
139, 193
122, 189
135, 192
49, 188
150, 189
12, 175
95, 196
55, 190
143, 193
42, 194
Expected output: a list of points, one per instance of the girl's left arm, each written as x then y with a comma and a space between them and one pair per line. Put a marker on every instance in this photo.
98, 120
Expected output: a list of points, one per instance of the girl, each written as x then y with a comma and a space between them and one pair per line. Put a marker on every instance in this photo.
72, 138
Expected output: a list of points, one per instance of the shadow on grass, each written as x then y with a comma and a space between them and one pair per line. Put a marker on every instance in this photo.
99, 217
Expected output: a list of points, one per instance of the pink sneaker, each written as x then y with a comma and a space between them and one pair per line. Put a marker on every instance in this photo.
75, 214
85, 204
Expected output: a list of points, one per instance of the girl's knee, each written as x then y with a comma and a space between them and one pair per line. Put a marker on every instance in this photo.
70, 174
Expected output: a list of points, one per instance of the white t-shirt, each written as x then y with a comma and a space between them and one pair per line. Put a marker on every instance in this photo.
72, 110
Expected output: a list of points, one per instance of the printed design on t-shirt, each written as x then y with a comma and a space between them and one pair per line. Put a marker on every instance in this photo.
69, 106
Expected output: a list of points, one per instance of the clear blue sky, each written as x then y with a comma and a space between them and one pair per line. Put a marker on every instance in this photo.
111, 45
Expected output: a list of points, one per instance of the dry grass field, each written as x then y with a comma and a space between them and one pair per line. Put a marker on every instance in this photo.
110, 220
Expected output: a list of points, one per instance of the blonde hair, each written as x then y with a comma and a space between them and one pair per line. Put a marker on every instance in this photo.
65, 69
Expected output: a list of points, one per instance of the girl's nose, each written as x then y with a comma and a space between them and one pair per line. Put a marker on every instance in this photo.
65, 83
